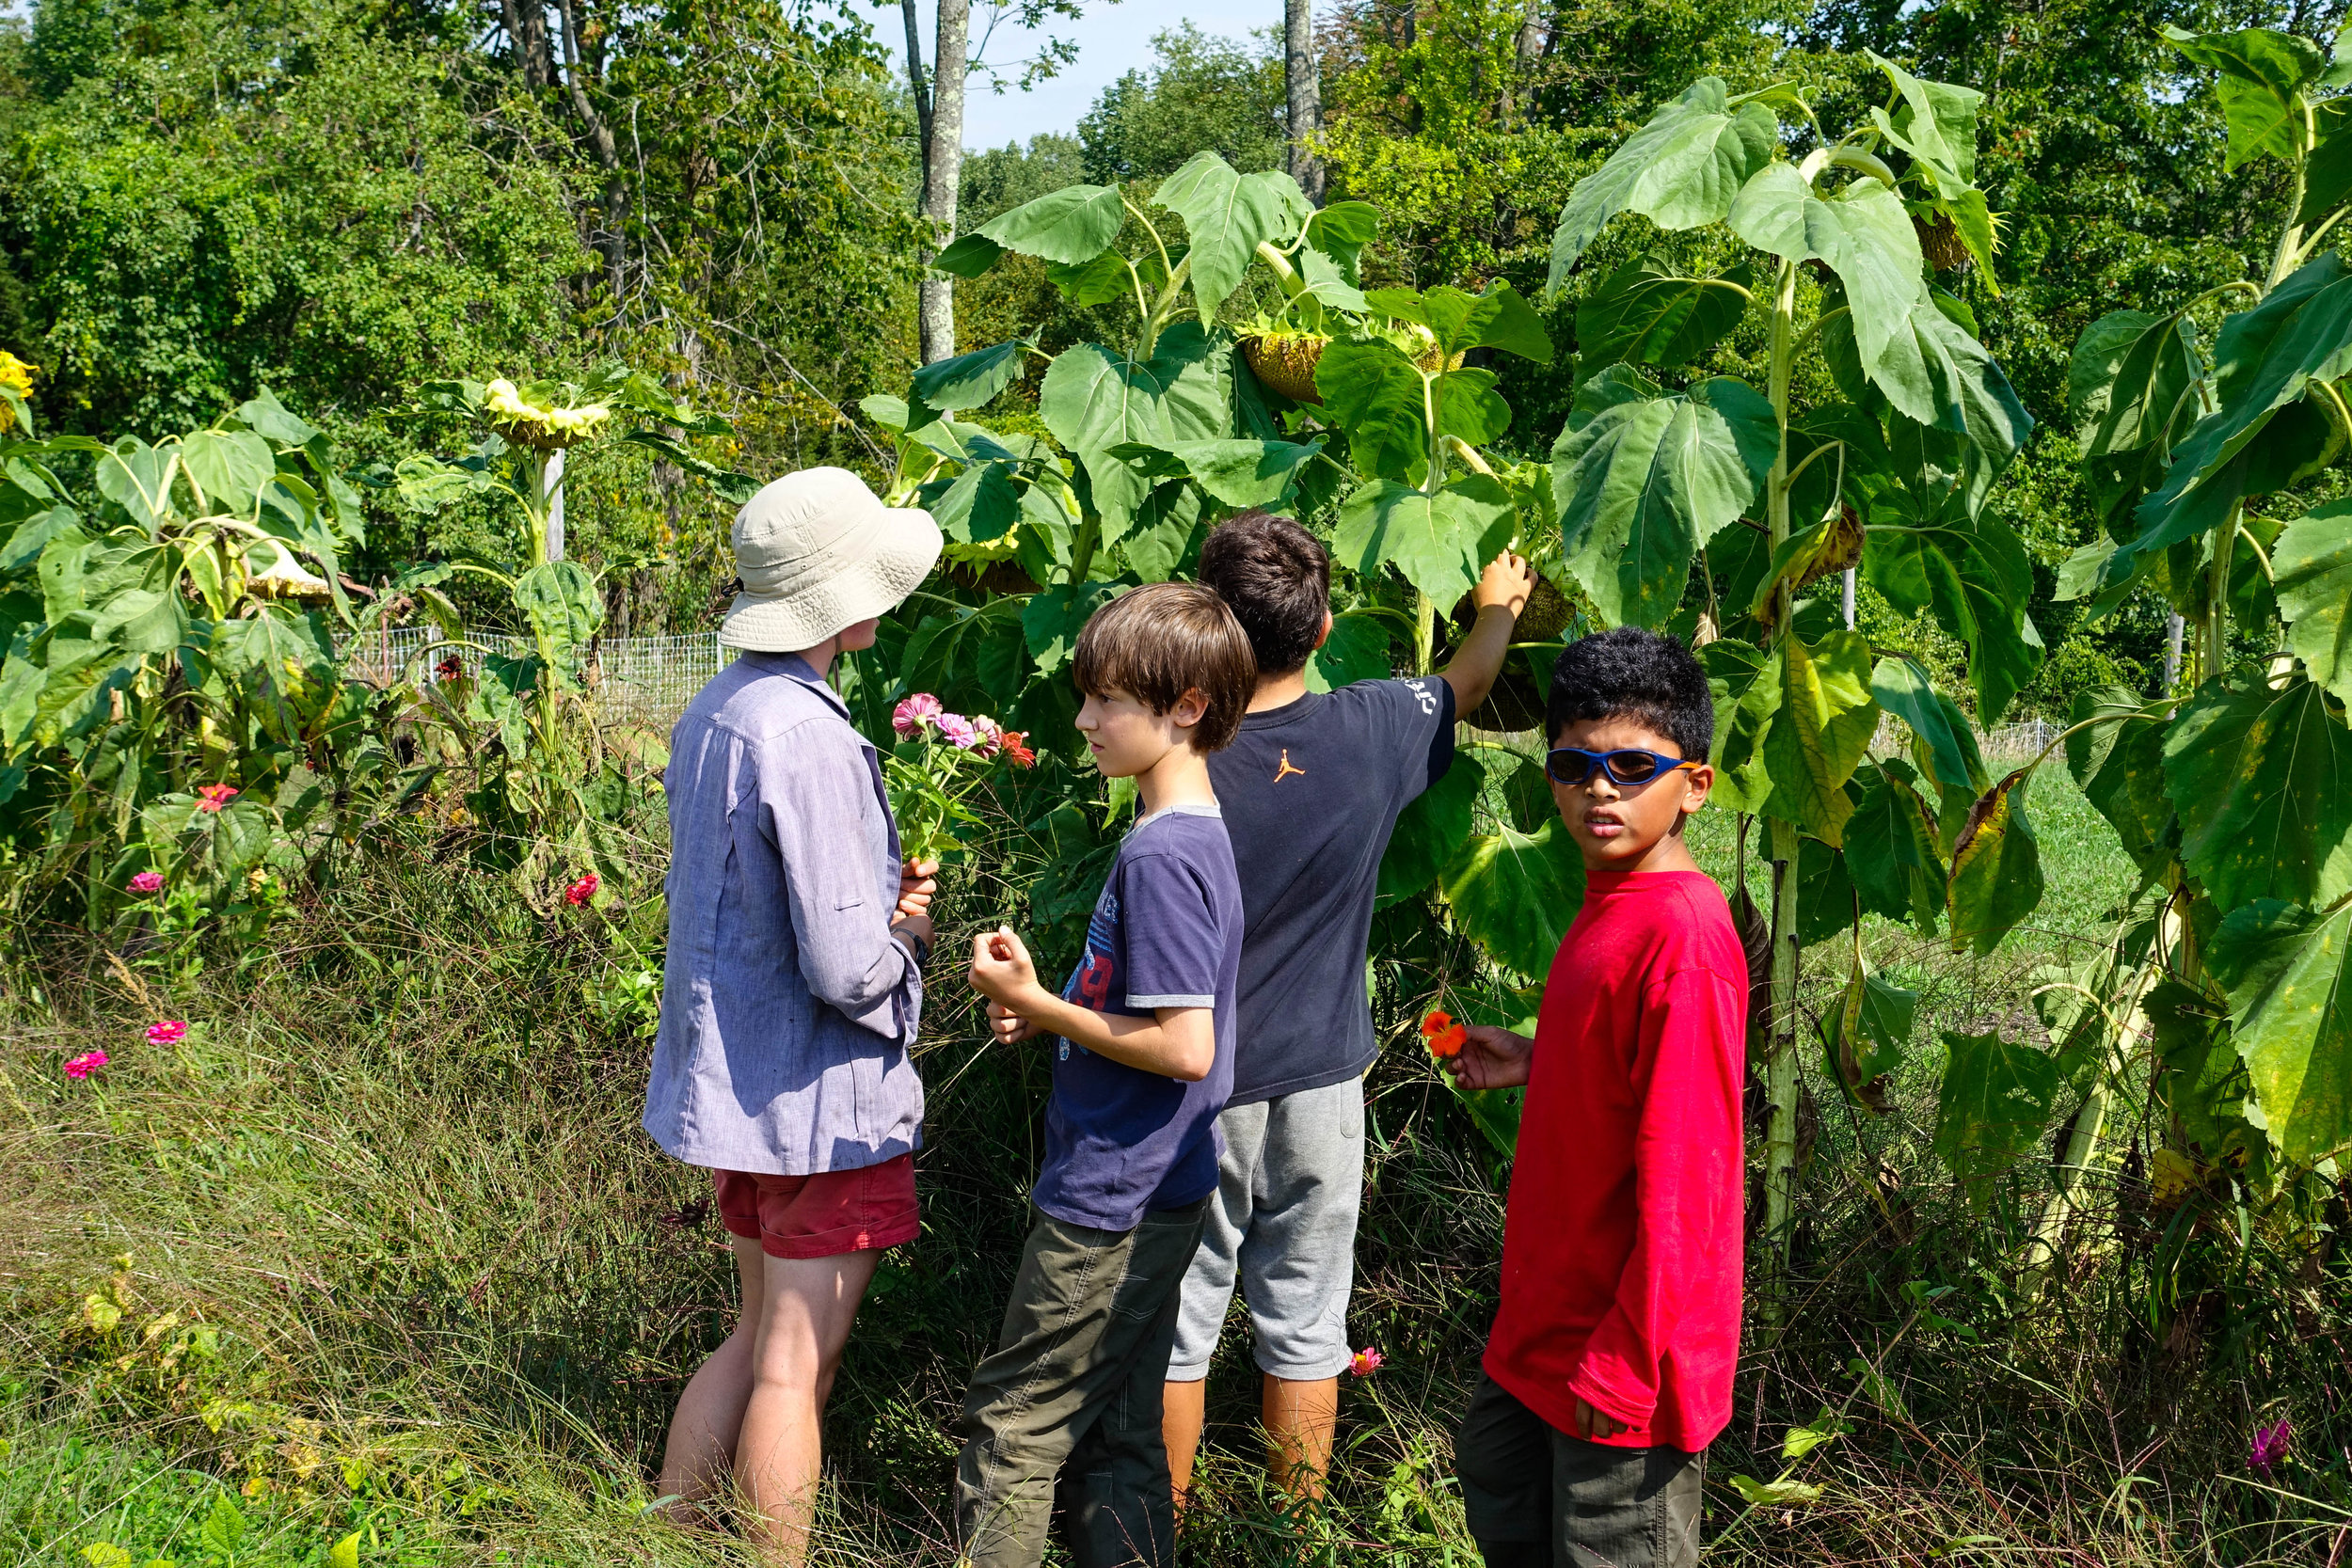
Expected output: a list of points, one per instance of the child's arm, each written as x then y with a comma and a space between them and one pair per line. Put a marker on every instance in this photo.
1174, 1042
1490, 1058
1501, 594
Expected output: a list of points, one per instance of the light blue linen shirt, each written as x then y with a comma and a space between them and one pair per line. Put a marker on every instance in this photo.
787, 1008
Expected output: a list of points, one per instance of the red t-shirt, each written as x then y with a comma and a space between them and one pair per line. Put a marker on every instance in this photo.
1621, 1245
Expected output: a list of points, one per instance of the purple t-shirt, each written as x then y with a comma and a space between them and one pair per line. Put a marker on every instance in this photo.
1166, 933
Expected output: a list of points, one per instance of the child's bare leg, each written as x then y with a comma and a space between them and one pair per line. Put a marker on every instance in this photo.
810, 1302
709, 1419
1302, 1418
1183, 1409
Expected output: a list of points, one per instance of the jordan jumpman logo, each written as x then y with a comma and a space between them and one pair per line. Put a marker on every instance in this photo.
1286, 770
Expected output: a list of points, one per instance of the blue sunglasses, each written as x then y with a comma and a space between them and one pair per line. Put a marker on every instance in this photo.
1628, 764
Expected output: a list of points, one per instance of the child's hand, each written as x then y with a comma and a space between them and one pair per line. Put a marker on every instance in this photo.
1591, 1423
918, 881
1009, 1027
1506, 582
1490, 1058
1001, 967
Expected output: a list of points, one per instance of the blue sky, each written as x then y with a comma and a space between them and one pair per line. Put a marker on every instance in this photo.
1112, 39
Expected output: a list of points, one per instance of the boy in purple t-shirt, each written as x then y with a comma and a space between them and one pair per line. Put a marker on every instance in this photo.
1068, 1407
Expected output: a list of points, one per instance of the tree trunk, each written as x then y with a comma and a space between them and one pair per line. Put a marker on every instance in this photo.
943, 171
527, 25
613, 241
1305, 88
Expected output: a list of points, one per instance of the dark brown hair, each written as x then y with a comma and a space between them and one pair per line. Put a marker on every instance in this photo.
1277, 578
1157, 643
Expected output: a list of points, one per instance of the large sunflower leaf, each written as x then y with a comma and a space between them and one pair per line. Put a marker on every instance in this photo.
2311, 573
1643, 314
2291, 1016
1679, 170
2263, 780
1431, 830
1820, 731
1226, 216
1996, 868
1072, 225
1441, 542
1094, 400
2133, 382
1515, 894
2262, 74
1863, 233
1891, 849
1745, 682
1996, 1098
2116, 755
1644, 479
1374, 394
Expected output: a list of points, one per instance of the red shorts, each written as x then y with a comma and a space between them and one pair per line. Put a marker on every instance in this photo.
822, 1215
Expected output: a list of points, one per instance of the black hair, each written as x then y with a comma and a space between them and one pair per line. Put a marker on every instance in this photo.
1277, 578
1627, 673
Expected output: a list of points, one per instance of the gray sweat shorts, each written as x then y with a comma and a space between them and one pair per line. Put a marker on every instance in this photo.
1283, 1223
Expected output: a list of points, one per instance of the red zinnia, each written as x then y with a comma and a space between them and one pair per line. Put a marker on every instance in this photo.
1013, 748
213, 797
582, 891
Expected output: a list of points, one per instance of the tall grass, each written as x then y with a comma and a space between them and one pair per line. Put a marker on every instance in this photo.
394, 1177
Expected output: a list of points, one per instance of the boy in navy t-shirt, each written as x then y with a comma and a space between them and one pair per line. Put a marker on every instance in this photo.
1312, 786
1067, 1407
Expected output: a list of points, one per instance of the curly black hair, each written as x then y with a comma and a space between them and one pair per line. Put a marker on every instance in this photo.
1628, 672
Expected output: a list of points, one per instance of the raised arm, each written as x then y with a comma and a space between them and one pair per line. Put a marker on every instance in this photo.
1501, 594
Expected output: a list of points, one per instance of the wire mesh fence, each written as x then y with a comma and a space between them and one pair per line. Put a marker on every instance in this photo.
651, 678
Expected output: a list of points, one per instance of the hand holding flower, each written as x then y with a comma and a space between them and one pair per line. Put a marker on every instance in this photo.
918, 881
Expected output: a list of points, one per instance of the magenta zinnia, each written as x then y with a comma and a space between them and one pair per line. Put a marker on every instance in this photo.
957, 731
2269, 1445
909, 717
171, 1031
148, 881
1366, 1361
86, 1063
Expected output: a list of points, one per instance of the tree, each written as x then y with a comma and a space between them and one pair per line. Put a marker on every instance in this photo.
1302, 97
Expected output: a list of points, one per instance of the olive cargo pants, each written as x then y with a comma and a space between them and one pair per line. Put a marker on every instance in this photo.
1067, 1408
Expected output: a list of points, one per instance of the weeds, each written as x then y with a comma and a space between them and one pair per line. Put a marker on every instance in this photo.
400, 1263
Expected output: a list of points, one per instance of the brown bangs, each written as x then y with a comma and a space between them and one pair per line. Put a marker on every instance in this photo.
1157, 643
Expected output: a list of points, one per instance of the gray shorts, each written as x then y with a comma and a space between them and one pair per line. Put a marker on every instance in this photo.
1284, 1221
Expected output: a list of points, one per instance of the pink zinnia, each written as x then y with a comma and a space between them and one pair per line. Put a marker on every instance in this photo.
86, 1063
909, 717
1366, 1361
148, 881
171, 1031
582, 891
957, 731
992, 737
213, 797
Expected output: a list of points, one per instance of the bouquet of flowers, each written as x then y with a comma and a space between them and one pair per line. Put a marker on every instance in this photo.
940, 759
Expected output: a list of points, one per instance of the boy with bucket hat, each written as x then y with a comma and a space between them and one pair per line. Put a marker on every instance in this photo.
793, 986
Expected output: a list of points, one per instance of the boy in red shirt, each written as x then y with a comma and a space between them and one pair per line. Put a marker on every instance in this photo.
1609, 1365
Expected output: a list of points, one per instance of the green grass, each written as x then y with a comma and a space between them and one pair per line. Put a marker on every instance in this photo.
448, 1293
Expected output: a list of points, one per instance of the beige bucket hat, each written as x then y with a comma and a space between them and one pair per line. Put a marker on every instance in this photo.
817, 551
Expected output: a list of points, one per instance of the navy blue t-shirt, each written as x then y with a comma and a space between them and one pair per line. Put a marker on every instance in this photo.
1311, 791
1166, 933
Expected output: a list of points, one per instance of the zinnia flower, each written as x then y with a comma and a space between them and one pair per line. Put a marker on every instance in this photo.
86, 1063
171, 1031
1366, 1361
450, 669
213, 797
957, 731
148, 881
909, 717
991, 737
1021, 756
582, 891
2269, 1446
1445, 1036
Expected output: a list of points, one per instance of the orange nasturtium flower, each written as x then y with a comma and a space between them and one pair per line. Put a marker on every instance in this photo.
1444, 1035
